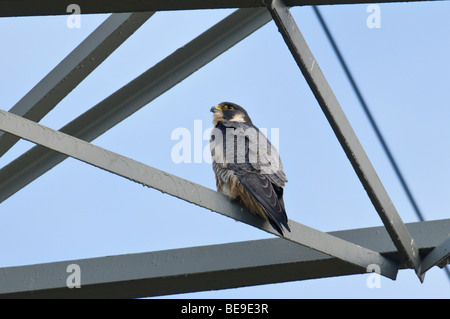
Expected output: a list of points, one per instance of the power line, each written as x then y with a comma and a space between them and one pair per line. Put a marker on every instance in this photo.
372, 120
369, 115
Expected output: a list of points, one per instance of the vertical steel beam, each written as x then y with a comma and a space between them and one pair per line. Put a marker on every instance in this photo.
191, 192
136, 94
345, 134
74, 68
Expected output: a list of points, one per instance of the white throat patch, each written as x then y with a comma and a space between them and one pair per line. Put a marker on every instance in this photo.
239, 117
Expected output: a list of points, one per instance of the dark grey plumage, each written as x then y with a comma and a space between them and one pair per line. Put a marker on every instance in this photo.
246, 165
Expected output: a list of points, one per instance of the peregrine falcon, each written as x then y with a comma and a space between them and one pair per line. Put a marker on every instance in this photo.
247, 166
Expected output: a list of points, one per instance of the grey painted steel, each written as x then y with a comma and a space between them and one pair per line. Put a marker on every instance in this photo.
203, 268
189, 191
370, 117
439, 256
346, 257
74, 68
345, 134
10, 8
136, 94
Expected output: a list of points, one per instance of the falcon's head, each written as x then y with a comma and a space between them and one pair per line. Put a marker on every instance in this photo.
227, 111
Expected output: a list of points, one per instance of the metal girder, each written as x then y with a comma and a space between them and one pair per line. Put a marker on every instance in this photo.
10, 8
189, 191
369, 115
345, 134
136, 94
203, 268
439, 256
74, 68
342, 254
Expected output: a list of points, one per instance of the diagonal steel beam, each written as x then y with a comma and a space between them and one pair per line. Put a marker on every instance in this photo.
120, 165
439, 256
136, 94
202, 268
369, 115
74, 68
345, 134
9, 8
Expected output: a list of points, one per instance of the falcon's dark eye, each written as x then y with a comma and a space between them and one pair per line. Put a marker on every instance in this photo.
230, 107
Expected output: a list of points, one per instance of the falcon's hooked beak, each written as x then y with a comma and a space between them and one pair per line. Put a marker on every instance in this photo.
216, 109
217, 114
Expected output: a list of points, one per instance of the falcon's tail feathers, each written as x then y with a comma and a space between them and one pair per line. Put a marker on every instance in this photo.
278, 225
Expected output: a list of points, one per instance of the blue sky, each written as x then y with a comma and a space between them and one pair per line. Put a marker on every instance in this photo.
78, 211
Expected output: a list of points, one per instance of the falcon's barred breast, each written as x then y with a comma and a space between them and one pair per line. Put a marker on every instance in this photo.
246, 165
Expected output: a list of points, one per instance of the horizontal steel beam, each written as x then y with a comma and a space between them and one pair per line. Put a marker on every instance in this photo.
202, 268
136, 94
345, 133
189, 191
85, 58
439, 256
10, 8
